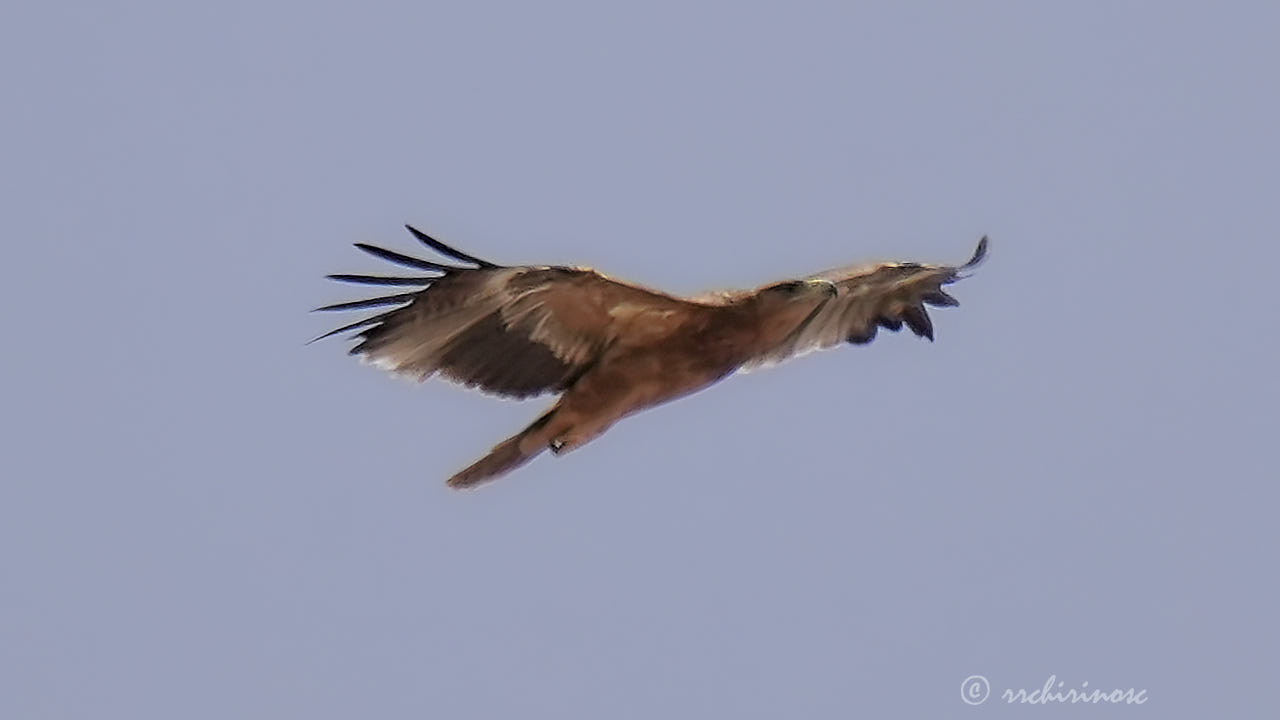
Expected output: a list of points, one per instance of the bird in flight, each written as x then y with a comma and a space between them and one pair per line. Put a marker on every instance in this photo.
609, 348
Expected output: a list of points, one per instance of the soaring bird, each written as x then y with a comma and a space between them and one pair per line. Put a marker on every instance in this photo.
609, 348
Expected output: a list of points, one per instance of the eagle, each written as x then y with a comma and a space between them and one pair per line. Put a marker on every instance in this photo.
610, 348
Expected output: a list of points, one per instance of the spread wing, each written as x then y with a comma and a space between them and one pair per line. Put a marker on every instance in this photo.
513, 331
870, 297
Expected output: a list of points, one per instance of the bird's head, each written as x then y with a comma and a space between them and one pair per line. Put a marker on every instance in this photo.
798, 291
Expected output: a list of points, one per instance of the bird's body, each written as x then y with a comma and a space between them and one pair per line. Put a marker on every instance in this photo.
611, 348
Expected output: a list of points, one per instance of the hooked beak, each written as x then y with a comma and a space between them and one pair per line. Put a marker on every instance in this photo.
826, 285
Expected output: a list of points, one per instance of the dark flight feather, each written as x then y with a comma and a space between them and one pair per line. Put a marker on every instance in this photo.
891, 324
940, 298
979, 254
405, 260
918, 320
371, 302
443, 249
381, 280
353, 326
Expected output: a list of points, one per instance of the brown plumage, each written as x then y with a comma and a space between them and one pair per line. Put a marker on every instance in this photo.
610, 348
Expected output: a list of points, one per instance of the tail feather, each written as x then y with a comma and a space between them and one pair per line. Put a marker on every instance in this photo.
505, 456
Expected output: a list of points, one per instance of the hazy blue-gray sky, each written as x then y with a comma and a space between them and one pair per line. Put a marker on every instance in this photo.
203, 518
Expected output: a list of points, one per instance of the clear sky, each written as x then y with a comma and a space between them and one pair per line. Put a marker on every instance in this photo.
203, 518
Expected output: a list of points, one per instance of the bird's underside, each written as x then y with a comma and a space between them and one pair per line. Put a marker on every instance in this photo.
610, 348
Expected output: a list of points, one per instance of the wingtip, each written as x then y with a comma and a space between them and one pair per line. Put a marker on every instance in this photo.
979, 254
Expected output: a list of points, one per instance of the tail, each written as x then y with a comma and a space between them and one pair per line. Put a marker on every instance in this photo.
505, 456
